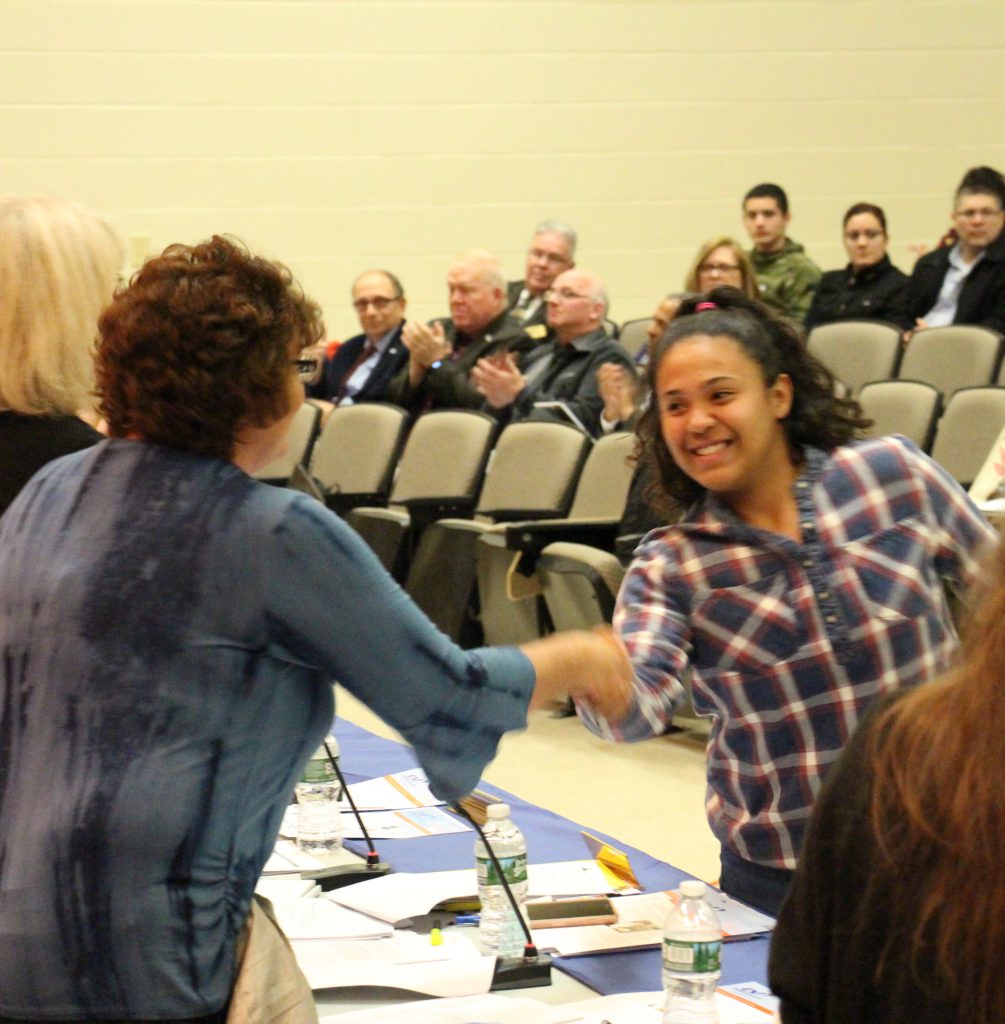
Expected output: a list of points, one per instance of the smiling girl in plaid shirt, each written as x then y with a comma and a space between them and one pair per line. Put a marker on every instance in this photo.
804, 580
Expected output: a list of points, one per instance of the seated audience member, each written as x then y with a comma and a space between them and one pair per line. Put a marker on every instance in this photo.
552, 252
786, 276
441, 354
162, 690
870, 287
964, 283
721, 261
622, 391
362, 367
895, 912
563, 369
58, 264
803, 581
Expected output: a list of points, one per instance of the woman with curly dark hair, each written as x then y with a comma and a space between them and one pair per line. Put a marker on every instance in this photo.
804, 579
171, 629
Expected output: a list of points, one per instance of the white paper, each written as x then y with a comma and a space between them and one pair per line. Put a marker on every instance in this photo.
400, 896
323, 919
406, 823
461, 1010
278, 888
287, 858
748, 1001
324, 967
391, 792
412, 823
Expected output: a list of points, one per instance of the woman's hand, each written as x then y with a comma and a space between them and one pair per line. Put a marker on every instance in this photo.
592, 668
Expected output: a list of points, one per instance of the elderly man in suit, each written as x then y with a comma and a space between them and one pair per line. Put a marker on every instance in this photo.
552, 252
362, 367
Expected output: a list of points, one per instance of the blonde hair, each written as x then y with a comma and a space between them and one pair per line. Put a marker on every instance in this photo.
747, 275
58, 264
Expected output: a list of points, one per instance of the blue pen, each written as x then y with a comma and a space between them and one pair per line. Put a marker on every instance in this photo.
468, 919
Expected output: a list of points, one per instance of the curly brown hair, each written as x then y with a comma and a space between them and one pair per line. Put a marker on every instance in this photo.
198, 346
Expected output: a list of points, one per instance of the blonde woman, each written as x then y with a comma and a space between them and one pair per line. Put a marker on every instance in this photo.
58, 264
721, 261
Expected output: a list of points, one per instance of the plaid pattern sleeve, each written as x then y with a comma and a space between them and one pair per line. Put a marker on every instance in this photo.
788, 643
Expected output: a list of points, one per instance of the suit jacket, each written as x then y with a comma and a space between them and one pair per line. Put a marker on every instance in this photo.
982, 297
538, 319
391, 360
448, 385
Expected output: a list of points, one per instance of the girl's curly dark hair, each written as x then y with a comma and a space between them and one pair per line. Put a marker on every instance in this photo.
819, 415
199, 345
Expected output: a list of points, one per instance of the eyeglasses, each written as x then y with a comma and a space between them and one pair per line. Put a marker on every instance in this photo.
718, 268
984, 212
565, 294
548, 257
306, 368
380, 303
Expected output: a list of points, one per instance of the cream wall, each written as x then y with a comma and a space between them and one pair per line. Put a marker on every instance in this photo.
340, 134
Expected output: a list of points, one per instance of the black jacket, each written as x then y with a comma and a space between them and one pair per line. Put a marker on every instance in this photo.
874, 293
982, 298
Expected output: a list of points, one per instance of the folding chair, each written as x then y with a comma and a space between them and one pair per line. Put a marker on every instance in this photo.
857, 351
300, 440
973, 419
949, 358
908, 407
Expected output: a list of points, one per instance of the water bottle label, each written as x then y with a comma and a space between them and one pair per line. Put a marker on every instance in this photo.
692, 957
318, 771
514, 868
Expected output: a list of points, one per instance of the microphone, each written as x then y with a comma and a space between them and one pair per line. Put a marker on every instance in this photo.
531, 970
336, 876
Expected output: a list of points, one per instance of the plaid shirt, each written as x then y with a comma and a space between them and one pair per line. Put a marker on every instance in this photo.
789, 642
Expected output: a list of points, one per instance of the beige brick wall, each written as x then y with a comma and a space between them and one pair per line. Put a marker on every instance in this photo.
339, 134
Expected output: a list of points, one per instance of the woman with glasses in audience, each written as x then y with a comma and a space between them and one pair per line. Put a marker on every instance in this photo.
897, 907
721, 262
58, 264
803, 580
870, 287
171, 630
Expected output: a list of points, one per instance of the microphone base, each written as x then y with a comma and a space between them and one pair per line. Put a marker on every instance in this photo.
340, 875
517, 972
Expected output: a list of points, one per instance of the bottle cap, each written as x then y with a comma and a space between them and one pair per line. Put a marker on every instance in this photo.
496, 812
692, 889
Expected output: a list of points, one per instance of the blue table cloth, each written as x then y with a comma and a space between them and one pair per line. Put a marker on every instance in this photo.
550, 838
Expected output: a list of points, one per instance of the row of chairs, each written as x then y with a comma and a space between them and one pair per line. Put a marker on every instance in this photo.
948, 358
458, 511
958, 435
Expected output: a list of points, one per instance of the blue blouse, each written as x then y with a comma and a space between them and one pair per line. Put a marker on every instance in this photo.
169, 632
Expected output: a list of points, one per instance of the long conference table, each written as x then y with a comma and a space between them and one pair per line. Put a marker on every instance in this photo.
550, 838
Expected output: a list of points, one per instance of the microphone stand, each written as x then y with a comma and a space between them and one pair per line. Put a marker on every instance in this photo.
338, 875
531, 970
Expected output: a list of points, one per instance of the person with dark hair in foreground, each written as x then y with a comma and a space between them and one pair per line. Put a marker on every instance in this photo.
803, 581
895, 913
171, 629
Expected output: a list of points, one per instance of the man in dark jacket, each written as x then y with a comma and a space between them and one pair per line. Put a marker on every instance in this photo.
563, 370
442, 353
964, 283
362, 367
552, 252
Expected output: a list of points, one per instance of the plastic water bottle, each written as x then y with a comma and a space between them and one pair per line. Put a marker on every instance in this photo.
499, 930
319, 816
692, 948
